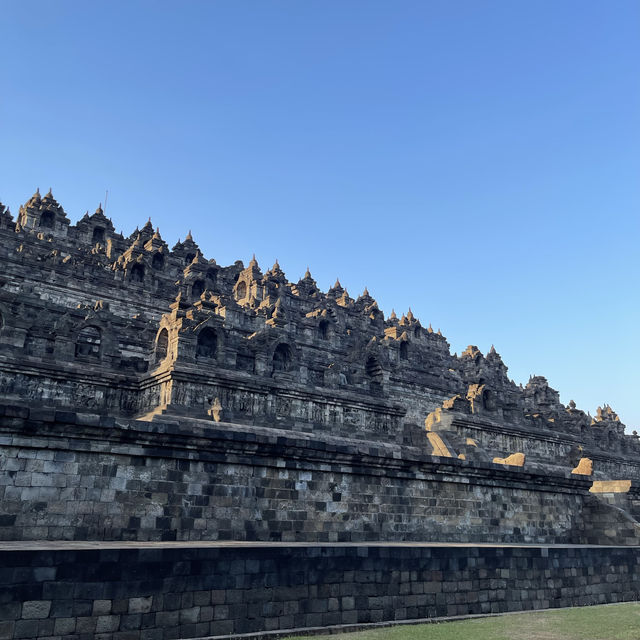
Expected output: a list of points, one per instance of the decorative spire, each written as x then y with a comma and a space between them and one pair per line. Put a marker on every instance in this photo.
336, 290
190, 237
50, 201
344, 300
35, 199
307, 274
393, 315
275, 274
253, 263
410, 316
365, 293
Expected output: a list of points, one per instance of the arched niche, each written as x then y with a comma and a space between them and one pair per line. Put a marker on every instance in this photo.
162, 345
137, 273
489, 400
197, 288
282, 357
323, 330
207, 345
404, 350
189, 258
30, 343
47, 219
157, 262
212, 277
241, 290
89, 342
98, 235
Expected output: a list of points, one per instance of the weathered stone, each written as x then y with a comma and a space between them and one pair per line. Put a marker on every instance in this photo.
36, 609
148, 393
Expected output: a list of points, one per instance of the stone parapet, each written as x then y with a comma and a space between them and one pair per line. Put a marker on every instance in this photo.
69, 475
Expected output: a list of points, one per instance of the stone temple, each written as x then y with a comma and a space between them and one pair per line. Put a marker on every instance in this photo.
194, 450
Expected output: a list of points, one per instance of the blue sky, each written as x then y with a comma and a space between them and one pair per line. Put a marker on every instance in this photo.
476, 160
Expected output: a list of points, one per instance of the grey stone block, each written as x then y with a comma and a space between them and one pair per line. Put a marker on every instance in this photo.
36, 609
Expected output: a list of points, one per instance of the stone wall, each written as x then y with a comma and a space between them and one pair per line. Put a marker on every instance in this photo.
72, 476
186, 592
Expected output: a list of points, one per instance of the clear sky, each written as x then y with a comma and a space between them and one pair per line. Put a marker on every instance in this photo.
476, 160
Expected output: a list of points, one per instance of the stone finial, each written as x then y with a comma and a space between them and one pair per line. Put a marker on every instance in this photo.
393, 315
35, 199
335, 291
189, 236
584, 468
410, 316
605, 413
5, 214
275, 273
514, 460
344, 300
180, 303
470, 352
215, 410
278, 310
365, 300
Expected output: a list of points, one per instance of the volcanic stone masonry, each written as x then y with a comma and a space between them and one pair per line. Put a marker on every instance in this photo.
148, 394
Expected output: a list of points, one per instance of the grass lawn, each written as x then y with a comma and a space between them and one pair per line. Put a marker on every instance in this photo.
608, 622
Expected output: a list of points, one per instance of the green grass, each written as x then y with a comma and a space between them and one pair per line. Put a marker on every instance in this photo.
608, 622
